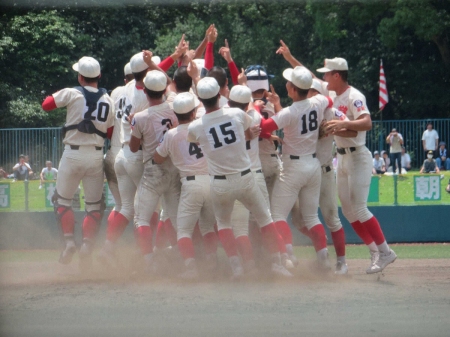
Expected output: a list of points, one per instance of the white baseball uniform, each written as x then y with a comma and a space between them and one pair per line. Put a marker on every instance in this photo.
150, 126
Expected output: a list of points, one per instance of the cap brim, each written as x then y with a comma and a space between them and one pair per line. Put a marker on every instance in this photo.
324, 70
287, 74
75, 67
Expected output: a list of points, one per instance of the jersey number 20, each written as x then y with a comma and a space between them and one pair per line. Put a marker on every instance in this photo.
102, 111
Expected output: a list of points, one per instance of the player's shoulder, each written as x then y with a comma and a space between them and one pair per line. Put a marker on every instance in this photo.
355, 94
233, 111
117, 92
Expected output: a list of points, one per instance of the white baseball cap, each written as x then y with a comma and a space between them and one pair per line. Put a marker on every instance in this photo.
240, 94
137, 63
155, 80
87, 66
299, 76
257, 80
333, 64
316, 85
185, 102
127, 69
156, 59
207, 87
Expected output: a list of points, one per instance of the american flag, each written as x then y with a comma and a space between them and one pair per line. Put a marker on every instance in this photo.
384, 98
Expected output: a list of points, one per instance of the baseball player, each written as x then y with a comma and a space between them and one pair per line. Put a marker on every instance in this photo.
327, 201
148, 129
355, 163
221, 135
90, 115
301, 174
195, 202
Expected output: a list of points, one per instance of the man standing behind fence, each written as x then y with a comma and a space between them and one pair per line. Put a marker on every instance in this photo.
395, 140
90, 117
430, 140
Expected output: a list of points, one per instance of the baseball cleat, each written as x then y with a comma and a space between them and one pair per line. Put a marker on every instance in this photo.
236, 268
278, 269
107, 258
383, 260
324, 263
341, 268
294, 260
286, 262
374, 268
67, 254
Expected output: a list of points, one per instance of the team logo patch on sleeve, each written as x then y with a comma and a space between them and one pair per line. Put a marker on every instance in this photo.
359, 105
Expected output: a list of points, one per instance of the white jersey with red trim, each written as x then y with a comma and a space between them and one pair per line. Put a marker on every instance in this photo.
151, 125
300, 123
221, 136
187, 157
353, 104
101, 115
133, 100
324, 150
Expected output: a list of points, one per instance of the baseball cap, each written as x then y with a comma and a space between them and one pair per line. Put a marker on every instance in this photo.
337, 63
127, 69
240, 94
207, 87
441, 143
87, 66
155, 80
299, 76
137, 63
185, 102
375, 152
156, 60
316, 85
257, 79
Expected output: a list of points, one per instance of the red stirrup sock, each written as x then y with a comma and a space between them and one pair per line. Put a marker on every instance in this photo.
339, 242
284, 230
362, 232
373, 227
271, 240
91, 224
228, 241
143, 235
186, 248
318, 237
245, 248
67, 220
116, 225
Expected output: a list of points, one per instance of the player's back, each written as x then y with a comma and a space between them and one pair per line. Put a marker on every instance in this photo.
221, 136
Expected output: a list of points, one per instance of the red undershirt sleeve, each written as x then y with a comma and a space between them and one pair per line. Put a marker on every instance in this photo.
109, 132
234, 72
49, 104
330, 102
166, 63
267, 127
209, 56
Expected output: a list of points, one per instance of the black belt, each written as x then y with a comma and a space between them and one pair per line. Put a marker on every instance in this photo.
243, 173
326, 169
298, 157
342, 150
259, 171
77, 147
140, 146
274, 155
190, 178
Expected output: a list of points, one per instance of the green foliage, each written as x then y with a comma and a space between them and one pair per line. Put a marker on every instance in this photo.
29, 114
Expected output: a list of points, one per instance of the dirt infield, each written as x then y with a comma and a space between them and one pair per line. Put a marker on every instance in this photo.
46, 299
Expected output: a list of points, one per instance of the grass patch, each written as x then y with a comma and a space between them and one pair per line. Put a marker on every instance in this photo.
404, 251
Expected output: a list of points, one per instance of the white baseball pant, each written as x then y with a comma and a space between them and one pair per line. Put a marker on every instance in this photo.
111, 177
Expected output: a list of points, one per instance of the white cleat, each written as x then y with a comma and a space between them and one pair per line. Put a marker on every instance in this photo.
341, 268
236, 268
278, 269
68, 252
374, 257
383, 261
324, 263
286, 262
294, 260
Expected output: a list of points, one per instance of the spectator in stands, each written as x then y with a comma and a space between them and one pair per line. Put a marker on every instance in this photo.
387, 161
429, 164
21, 170
379, 167
48, 173
406, 160
430, 140
442, 160
395, 140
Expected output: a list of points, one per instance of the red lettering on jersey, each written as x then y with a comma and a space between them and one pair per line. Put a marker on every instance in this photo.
343, 108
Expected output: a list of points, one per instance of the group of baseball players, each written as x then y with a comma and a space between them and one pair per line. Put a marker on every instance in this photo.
192, 163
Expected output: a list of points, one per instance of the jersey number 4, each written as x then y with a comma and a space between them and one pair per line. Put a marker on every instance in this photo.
194, 150
102, 111
227, 136
312, 123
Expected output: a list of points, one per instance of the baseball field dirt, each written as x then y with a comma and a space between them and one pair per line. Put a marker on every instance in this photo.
44, 298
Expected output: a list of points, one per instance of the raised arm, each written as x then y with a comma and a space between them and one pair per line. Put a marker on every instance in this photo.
226, 54
284, 50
